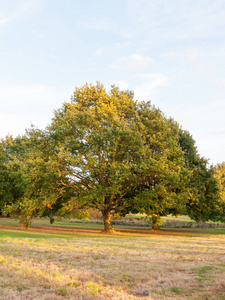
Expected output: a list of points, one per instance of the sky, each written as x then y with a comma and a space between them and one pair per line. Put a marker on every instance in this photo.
171, 52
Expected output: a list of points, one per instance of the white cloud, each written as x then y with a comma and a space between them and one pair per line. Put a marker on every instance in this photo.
170, 54
194, 53
99, 25
13, 123
122, 84
111, 49
133, 61
15, 9
218, 16
151, 82
206, 67
220, 132
219, 82
184, 53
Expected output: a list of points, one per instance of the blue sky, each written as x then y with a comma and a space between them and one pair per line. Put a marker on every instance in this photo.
168, 51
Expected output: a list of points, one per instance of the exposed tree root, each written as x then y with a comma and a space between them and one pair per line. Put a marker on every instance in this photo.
111, 231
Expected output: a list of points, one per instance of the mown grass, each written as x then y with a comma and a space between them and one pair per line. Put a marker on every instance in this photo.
175, 265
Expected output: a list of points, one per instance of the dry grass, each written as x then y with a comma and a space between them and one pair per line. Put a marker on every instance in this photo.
125, 266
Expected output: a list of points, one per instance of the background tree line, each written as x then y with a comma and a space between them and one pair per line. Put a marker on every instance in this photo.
108, 152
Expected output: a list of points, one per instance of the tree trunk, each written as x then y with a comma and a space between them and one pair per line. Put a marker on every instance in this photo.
155, 225
51, 219
107, 221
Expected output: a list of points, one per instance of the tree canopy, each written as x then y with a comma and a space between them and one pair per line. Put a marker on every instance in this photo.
202, 202
11, 155
106, 151
112, 146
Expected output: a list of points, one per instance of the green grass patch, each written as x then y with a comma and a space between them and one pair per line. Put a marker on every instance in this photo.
63, 291
9, 233
72, 225
176, 290
178, 218
22, 234
198, 231
203, 272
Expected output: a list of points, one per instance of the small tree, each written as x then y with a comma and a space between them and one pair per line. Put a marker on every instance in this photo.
12, 153
31, 177
220, 176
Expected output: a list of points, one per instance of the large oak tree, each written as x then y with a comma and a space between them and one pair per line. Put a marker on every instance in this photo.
112, 146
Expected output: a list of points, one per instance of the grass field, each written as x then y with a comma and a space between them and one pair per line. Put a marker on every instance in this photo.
78, 262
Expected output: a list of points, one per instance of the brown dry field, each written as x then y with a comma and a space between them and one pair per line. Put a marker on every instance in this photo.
69, 262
